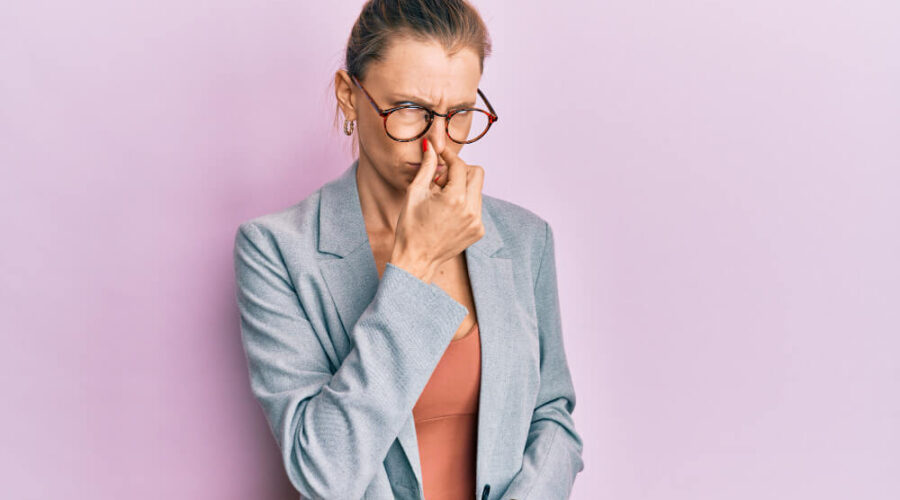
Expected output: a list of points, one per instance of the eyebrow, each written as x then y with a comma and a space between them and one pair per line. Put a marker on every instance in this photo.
405, 99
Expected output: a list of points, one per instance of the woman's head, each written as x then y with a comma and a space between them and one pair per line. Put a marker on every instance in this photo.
426, 52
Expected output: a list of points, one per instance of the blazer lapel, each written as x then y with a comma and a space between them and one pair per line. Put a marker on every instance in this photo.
352, 281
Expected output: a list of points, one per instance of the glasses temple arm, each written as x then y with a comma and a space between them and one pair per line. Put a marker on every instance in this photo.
491, 108
366, 92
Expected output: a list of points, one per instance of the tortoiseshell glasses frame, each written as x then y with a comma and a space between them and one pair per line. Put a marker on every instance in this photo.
492, 116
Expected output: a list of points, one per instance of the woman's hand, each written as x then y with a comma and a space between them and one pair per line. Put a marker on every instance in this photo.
438, 221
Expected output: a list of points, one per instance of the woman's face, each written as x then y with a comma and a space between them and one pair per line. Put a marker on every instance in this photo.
411, 72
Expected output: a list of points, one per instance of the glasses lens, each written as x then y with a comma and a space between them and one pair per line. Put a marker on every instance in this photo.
469, 124
407, 123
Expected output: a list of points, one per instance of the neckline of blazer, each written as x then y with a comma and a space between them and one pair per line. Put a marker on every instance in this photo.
342, 228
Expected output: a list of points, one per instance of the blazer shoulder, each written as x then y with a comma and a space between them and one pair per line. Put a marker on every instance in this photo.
505, 211
287, 229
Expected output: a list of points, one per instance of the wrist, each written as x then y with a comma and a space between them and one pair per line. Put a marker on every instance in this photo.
417, 266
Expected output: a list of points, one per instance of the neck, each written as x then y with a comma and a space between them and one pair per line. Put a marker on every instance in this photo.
380, 201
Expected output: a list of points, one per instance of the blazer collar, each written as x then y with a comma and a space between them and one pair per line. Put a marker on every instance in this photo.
342, 228
352, 280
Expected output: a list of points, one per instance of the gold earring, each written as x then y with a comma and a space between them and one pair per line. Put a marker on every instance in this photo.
350, 124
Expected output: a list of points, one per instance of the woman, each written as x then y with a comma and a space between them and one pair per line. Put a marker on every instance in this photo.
402, 331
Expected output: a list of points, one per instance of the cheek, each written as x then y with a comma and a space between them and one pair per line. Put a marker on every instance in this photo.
377, 145
391, 156
403, 152
376, 136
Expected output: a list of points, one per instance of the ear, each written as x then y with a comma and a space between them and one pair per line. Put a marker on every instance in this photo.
343, 92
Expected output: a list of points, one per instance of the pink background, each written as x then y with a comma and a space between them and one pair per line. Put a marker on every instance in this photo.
722, 179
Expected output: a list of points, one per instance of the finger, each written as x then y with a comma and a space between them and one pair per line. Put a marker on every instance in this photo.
440, 178
427, 166
456, 172
474, 187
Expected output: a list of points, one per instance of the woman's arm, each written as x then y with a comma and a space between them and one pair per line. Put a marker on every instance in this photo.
335, 429
553, 448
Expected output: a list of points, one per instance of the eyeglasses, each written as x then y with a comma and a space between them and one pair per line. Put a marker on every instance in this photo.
410, 121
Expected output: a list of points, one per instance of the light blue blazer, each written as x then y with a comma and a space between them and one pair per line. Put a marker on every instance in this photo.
337, 358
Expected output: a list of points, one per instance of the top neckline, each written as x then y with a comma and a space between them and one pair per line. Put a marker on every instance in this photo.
470, 333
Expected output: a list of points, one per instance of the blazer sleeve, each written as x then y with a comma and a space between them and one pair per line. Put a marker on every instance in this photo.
553, 449
335, 427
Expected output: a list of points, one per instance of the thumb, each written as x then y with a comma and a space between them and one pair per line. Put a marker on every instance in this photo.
427, 166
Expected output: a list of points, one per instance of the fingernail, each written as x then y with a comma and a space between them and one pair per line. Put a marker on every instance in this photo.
424, 145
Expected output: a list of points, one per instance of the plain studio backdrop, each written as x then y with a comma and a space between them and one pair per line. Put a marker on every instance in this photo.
722, 178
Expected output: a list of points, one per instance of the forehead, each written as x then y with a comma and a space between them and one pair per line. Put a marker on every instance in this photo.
425, 70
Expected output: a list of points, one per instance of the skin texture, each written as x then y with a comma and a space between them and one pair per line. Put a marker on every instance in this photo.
412, 221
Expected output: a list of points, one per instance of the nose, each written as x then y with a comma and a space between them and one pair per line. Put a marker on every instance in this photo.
437, 136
